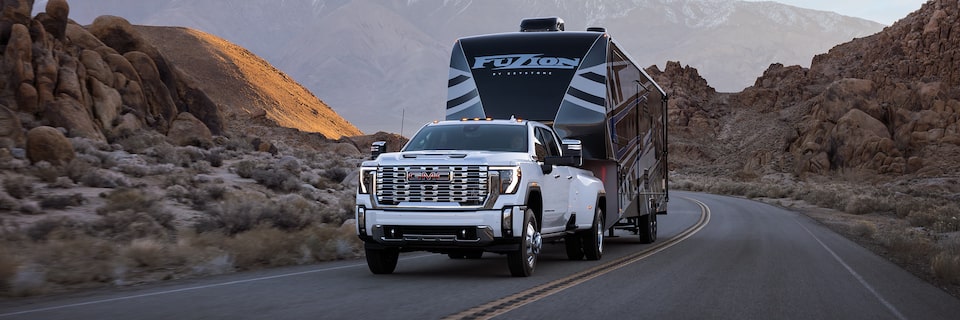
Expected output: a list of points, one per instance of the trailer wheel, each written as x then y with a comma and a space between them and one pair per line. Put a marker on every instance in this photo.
593, 240
648, 227
523, 261
574, 247
382, 261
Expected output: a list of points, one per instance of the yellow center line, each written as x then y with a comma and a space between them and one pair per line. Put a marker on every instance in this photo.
517, 300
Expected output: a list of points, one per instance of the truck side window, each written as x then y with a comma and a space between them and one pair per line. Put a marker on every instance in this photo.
545, 138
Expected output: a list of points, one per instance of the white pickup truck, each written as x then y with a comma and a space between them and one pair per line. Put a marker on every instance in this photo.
465, 187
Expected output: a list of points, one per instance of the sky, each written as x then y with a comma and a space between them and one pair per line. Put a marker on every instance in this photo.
883, 11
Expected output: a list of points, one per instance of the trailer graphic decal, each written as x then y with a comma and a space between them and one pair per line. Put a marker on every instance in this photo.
524, 61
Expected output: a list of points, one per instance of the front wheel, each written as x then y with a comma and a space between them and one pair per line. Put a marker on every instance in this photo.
523, 261
382, 261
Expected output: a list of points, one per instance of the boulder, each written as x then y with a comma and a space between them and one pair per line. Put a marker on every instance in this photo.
96, 67
13, 12
16, 65
84, 39
68, 78
187, 130
55, 18
159, 102
50, 145
68, 113
106, 104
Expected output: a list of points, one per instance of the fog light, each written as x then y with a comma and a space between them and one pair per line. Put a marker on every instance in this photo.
361, 219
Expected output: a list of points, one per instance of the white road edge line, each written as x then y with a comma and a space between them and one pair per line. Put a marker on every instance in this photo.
80, 304
855, 275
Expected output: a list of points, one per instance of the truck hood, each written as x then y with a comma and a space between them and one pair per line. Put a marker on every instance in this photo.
450, 157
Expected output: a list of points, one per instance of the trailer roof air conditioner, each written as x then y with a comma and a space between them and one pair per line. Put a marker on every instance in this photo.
541, 24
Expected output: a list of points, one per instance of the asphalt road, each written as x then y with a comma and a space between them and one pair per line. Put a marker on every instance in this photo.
717, 257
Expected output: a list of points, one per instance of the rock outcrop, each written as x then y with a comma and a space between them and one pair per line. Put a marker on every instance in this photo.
888, 103
100, 83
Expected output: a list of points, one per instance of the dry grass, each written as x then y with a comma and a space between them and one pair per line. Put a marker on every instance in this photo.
79, 260
946, 264
8, 269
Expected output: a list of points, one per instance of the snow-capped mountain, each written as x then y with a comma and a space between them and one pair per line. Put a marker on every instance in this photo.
374, 61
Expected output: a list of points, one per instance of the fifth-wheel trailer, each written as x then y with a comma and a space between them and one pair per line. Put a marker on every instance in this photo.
587, 88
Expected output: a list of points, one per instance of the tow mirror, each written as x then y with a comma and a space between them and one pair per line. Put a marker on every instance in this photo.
377, 148
573, 152
572, 155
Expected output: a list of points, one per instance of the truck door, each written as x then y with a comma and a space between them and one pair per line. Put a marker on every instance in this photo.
556, 184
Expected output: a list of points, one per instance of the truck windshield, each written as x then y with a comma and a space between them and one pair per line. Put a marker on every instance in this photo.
471, 136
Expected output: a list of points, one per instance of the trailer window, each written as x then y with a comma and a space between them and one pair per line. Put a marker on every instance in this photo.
480, 137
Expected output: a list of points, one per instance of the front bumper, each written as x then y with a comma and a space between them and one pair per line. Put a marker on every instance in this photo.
490, 230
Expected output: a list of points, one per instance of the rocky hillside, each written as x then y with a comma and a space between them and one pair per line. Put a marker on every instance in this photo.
886, 104
245, 85
108, 80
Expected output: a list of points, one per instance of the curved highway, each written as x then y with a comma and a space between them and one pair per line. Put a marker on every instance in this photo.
717, 257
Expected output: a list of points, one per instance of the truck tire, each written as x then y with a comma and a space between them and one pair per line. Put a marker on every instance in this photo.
648, 227
382, 261
593, 240
523, 261
574, 247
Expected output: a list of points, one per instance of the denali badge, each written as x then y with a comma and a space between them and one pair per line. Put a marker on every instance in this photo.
525, 61
414, 176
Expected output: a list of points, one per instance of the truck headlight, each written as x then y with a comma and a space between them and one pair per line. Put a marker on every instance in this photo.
509, 179
367, 178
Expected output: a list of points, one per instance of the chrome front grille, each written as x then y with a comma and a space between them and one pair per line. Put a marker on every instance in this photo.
466, 185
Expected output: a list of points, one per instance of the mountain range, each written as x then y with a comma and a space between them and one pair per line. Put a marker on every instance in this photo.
382, 65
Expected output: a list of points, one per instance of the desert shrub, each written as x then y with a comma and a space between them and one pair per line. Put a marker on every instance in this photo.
264, 246
61, 201
62, 183
215, 158
907, 244
290, 164
944, 218
8, 203
30, 207
18, 186
289, 212
336, 174
78, 260
137, 200
864, 204
131, 224
277, 179
864, 229
326, 242
232, 216
946, 264
201, 166
215, 192
238, 144
145, 139
136, 170
47, 172
245, 168
103, 178
149, 253
80, 166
